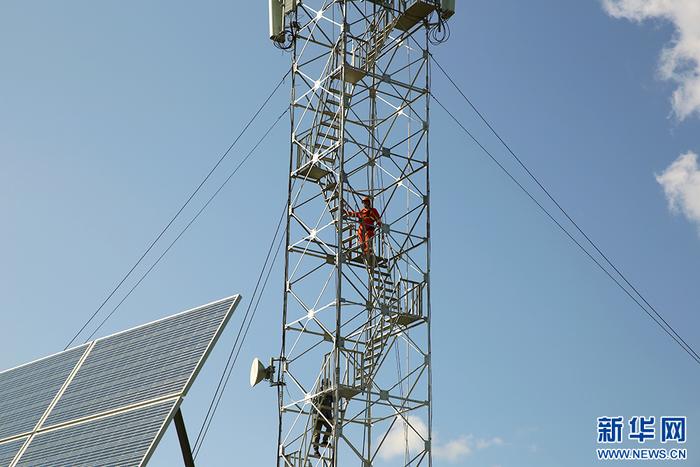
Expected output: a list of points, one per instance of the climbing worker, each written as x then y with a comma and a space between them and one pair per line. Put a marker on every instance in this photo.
369, 218
323, 403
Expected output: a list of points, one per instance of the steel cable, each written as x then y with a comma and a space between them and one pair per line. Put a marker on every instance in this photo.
177, 214
660, 322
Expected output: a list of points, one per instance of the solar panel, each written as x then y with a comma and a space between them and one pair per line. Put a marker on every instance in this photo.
118, 440
141, 364
106, 402
9, 450
27, 391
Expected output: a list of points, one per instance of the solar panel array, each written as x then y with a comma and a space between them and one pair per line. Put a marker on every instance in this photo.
109, 401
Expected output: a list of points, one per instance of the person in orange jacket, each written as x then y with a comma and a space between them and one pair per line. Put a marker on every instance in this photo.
369, 220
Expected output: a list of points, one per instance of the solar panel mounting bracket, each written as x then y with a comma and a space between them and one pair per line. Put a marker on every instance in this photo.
183, 439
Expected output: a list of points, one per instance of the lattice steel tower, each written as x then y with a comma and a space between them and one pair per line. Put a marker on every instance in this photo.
355, 358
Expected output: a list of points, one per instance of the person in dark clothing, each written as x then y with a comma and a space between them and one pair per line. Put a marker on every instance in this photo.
323, 405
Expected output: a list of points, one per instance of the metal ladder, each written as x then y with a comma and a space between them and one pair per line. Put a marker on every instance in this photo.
326, 137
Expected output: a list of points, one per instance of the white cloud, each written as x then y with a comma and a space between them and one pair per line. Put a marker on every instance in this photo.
487, 443
680, 61
681, 184
453, 450
415, 432
395, 442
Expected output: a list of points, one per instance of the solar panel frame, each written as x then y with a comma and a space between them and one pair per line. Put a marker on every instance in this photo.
42, 427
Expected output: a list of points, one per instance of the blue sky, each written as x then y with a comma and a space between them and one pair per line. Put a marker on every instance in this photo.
112, 112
